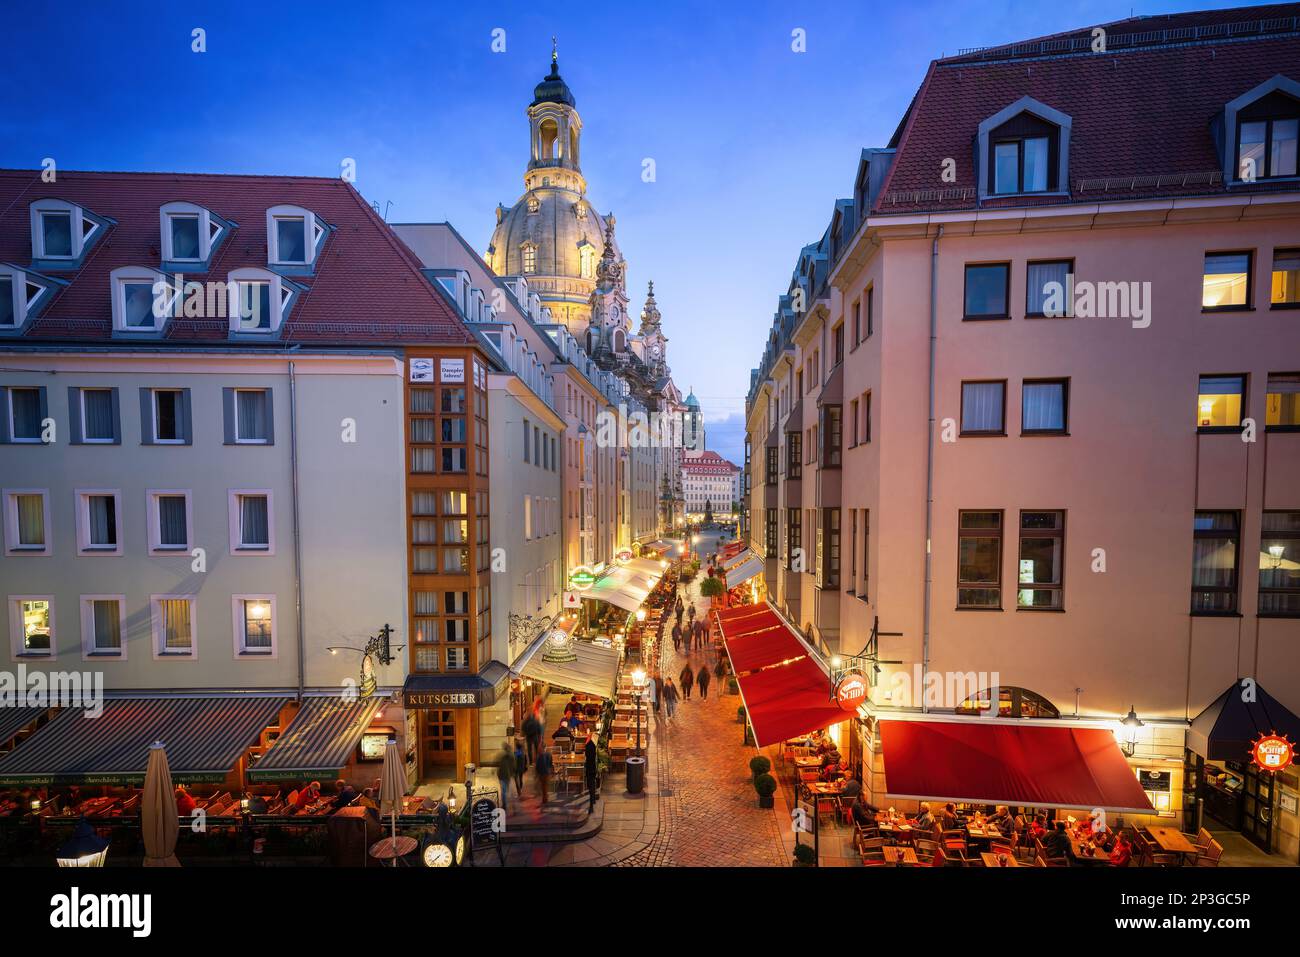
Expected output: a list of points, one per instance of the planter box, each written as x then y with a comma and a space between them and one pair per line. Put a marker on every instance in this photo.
767, 802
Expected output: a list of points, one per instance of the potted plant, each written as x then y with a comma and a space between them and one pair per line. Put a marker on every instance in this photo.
740, 715
759, 764
804, 855
711, 588
765, 787
733, 686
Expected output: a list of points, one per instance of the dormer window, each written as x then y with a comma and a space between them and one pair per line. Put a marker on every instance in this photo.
1024, 149
22, 295
189, 233
259, 301
63, 231
1262, 132
293, 236
143, 298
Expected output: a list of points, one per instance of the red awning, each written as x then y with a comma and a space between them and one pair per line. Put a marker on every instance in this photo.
742, 611
1029, 765
737, 628
759, 649
788, 701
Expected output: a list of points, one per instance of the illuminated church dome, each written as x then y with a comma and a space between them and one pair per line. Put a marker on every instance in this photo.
552, 234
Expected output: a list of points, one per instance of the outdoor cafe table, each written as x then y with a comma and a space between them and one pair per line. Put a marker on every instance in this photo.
825, 788
900, 855
899, 830
1172, 840
987, 832
991, 860
808, 764
1079, 848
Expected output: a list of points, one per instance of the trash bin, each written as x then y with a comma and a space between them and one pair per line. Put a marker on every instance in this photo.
635, 775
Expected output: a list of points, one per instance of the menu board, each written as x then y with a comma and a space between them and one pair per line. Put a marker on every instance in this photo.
480, 818
373, 744
1154, 780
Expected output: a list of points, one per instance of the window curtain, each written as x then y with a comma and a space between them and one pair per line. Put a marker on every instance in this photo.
257, 631
253, 525
176, 623
171, 520
1039, 275
27, 413
252, 415
103, 520
108, 625
1043, 409
982, 407
98, 405
31, 520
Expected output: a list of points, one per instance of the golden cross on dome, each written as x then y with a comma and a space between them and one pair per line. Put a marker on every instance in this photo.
555, 55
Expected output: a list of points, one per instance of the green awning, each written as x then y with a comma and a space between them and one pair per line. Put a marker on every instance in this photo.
319, 740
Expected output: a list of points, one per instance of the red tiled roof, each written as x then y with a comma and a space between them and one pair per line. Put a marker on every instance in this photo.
708, 462
366, 287
1140, 111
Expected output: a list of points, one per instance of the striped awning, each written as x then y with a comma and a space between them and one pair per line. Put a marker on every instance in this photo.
743, 572
319, 740
13, 720
204, 737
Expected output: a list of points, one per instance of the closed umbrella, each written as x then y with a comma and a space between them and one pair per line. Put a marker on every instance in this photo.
392, 787
158, 811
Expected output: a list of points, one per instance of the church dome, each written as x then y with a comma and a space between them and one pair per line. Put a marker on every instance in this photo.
553, 89
564, 231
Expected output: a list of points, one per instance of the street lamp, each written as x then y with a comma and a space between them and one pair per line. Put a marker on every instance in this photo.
1131, 725
1276, 551
638, 687
640, 614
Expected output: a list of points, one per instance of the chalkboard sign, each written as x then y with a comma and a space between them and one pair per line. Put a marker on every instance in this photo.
1154, 780
480, 818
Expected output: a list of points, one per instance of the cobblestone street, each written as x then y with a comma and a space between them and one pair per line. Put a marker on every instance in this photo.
709, 814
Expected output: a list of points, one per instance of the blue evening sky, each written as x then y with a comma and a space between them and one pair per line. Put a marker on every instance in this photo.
752, 142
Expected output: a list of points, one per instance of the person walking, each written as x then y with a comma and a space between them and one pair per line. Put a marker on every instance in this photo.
520, 766
652, 693
533, 733
505, 771
590, 766
688, 679
657, 690
703, 679
545, 765
677, 635
671, 695
701, 633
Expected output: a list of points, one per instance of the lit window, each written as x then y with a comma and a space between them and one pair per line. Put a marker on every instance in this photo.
1286, 279
1279, 564
1042, 552
31, 622
1219, 401
254, 624
1225, 283
1282, 401
530, 257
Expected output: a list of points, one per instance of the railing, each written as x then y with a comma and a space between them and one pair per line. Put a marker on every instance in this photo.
1119, 41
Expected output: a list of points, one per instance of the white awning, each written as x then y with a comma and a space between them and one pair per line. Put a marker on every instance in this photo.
746, 570
622, 586
741, 556
649, 567
593, 670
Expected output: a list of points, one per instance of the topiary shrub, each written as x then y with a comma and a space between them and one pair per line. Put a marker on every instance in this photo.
759, 764
804, 855
765, 787
740, 714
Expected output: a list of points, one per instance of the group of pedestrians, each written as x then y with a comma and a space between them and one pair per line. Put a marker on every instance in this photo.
514, 762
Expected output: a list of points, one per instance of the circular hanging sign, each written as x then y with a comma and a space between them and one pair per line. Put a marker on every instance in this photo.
624, 555
1273, 752
851, 690
582, 578
558, 646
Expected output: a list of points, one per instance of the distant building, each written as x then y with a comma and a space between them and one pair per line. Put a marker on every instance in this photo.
710, 487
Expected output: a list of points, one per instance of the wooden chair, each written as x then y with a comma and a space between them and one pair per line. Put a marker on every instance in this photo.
953, 841
926, 851
1056, 862
872, 850
845, 807
1210, 858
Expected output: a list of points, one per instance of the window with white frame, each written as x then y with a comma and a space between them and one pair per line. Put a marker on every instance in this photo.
254, 620
61, 230
189, 232
258, 300
103, 626
24, 413
98, 410
20, 295
173, 625
27, 521
252, 416
31, 626
169, 520
143, 298
166, 421
293, 235
251, 522
98, 517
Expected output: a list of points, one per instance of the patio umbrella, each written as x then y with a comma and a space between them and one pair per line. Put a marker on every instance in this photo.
158, 811
392, 787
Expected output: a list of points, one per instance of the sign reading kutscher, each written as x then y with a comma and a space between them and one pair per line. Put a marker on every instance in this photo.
442, 699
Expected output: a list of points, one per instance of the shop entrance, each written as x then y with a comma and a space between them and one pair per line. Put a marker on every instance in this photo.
1238, 795
438, 739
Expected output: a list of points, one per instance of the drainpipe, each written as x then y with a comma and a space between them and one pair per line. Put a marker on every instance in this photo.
297, 528
929, 462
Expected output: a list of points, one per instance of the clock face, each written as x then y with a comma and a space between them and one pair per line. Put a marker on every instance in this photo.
437, 855
461, 846
654, 351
